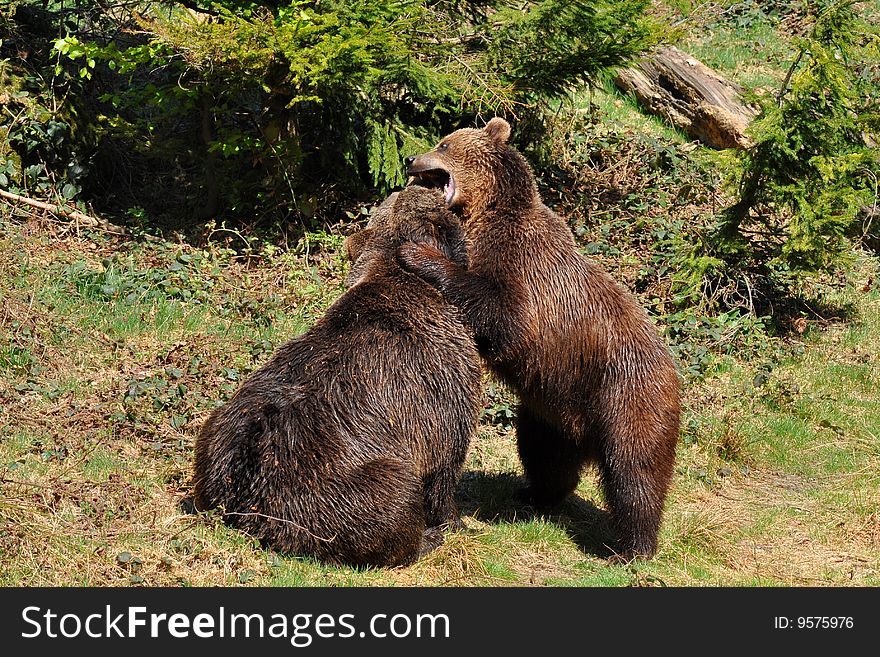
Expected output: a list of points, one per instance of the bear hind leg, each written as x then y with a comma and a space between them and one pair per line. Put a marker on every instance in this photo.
635, 479
375, 514
551, 460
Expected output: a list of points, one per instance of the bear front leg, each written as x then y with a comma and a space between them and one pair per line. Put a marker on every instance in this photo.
427, 262
495, 308
432, 538
440, 507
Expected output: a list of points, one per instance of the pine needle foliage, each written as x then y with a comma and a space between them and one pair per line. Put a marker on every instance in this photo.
299, 107
369, 77
814, 163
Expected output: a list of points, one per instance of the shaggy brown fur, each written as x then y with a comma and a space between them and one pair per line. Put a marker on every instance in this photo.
595, 381
348, 443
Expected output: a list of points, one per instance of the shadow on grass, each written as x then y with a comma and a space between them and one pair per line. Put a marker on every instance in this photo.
789, 315
493, 498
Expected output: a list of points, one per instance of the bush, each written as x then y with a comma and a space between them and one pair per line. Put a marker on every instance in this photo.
813, 166
297, 108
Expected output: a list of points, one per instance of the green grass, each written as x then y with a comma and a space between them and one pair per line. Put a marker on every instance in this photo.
752, 54
810, 437
776, 480
620, 111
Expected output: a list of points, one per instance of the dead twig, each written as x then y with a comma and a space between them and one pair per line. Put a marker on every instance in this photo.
79, 217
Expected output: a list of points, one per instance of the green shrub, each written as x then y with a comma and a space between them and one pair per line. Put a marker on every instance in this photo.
299, 108
813, 165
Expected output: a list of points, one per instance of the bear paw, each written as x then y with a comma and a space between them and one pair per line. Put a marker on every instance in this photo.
425, 261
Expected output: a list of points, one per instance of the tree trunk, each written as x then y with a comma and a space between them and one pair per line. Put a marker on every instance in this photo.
211, 206
672, 84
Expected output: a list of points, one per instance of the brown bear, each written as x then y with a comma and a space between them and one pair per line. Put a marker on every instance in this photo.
595, 381
347, 445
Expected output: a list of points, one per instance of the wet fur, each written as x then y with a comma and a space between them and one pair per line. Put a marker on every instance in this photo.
595, 381
348, 443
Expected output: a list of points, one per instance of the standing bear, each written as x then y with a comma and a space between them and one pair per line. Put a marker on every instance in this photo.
347, 445
595, 381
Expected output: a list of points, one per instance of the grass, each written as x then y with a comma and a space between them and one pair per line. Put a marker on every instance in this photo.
746, 47
808, 437
103, 391
621, 111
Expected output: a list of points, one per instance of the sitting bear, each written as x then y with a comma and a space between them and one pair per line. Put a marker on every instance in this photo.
347, 445
595, 381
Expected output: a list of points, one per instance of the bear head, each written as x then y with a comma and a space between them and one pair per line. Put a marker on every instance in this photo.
476, 170
414, 214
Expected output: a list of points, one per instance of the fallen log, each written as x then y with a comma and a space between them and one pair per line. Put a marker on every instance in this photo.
690, 95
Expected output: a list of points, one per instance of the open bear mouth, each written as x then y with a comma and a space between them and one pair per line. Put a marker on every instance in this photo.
436, 179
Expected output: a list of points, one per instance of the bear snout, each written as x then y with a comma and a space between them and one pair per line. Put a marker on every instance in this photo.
421, 164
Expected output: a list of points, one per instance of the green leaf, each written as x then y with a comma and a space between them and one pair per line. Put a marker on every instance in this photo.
174, 372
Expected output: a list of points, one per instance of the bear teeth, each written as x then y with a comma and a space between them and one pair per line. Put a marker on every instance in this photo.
449, 190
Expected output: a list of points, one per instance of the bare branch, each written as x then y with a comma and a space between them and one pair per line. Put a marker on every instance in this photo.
79, 217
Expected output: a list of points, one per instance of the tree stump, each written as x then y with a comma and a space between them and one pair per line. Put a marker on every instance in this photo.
672, 84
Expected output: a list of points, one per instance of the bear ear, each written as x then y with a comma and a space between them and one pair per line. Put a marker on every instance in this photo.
354, 244
498, 129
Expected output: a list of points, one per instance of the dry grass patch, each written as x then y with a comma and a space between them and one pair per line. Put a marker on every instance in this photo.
115, 533
460, 561
769, 528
